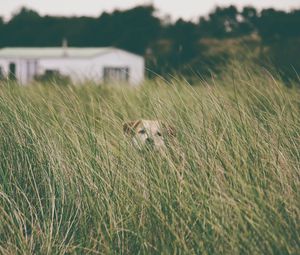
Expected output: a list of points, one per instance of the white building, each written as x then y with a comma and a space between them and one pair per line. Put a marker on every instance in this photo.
80, 64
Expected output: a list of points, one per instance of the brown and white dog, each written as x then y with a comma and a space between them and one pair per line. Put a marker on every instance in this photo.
148, 133
152, 135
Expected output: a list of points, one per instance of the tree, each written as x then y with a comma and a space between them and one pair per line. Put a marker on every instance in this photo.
18, 30
249, 17
221, 23
269, 24
1, 26
133, 29
184, 38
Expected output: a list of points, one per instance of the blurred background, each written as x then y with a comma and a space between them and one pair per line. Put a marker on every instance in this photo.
190, 38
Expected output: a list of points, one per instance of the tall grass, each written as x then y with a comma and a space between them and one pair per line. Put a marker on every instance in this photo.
71, 182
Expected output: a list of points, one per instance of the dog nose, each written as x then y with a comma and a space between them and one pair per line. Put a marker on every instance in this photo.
149, 141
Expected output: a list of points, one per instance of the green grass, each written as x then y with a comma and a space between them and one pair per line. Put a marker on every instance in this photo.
71, 183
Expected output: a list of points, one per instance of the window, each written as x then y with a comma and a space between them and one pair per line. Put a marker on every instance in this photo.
51, 73
1, 73
116, 74
12, 71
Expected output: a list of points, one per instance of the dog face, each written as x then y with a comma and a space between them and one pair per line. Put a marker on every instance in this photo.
148, 133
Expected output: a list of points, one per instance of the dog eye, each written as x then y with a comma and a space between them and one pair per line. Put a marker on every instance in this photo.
142, 131
158, 133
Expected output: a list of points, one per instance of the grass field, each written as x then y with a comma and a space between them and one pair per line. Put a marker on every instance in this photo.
71, 182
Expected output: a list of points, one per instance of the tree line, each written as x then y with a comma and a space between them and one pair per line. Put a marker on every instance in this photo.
167, 45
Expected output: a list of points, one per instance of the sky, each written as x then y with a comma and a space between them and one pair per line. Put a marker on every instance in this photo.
187, 9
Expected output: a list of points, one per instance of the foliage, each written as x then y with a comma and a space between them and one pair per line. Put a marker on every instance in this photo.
120, 29
169, 47
71, 182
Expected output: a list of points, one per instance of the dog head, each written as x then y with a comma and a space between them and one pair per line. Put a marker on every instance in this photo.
148, 133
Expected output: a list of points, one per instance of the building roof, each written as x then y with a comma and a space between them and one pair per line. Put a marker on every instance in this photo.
54, 52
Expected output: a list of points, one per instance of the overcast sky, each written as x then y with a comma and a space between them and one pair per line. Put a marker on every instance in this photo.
187, 9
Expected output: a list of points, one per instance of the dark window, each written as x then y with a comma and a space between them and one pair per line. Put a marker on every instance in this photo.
51, 73
1, 73
116, 74
12, 71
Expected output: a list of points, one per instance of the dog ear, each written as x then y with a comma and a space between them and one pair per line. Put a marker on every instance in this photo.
129, 127
170, 130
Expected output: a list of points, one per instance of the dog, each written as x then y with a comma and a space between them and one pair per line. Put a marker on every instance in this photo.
153, 135
150, 134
